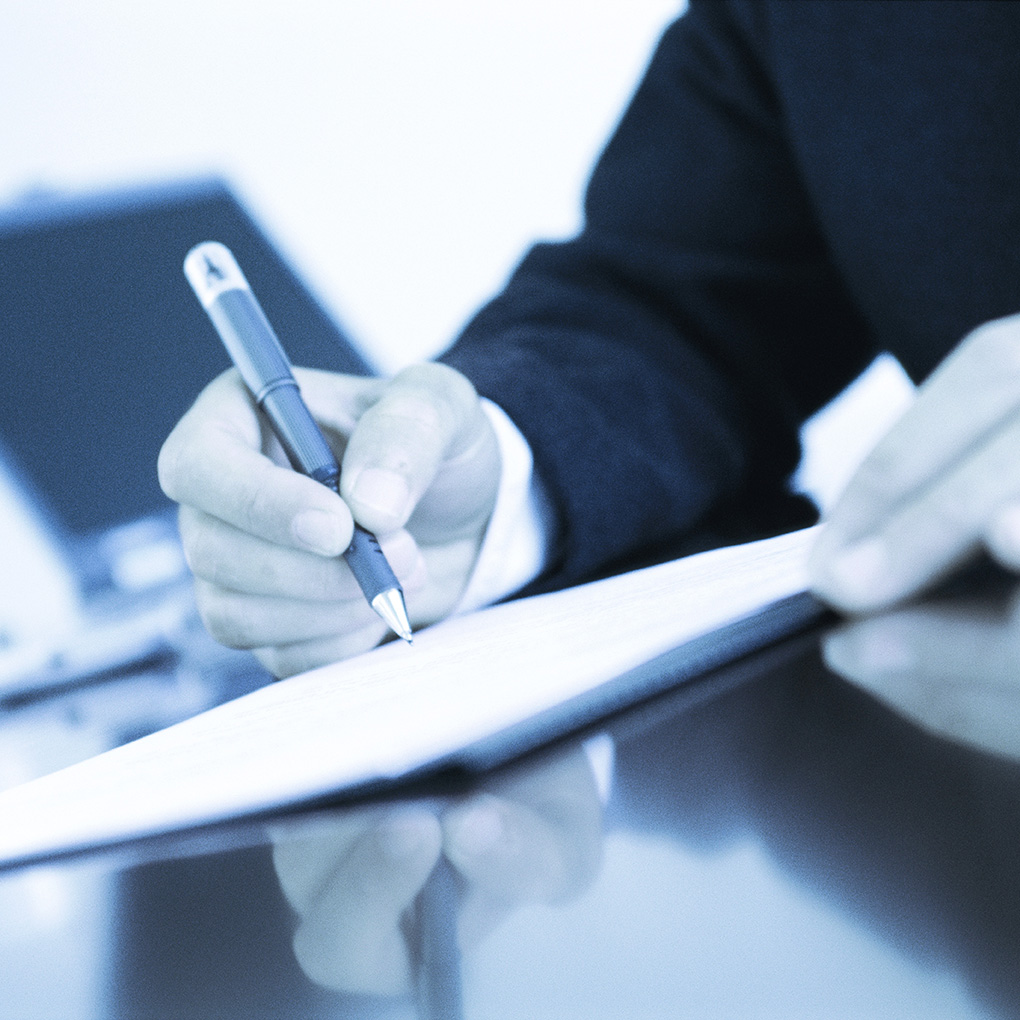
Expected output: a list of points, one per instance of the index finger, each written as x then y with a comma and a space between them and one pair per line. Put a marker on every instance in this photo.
213, 461
974, 390
426, 418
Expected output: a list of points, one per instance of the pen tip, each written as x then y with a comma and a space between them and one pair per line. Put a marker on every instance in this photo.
390, 606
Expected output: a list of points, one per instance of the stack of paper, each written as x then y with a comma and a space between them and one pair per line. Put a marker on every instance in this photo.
398, 708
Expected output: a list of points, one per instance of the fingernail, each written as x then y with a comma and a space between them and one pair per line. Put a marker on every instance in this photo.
478, 829
860, 570
383, 491
319, 532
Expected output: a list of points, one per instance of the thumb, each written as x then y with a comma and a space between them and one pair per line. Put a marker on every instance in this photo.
426, 429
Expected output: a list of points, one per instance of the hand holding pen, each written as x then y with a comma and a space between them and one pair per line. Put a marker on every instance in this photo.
220, 285
357, 884
419, 470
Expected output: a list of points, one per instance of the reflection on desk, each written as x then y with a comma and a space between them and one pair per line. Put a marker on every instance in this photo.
775, 841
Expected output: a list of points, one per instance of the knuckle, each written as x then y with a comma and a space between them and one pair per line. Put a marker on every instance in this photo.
192, 543
203, 558
203, 551
256, 508
448, 394
221, 618
167, 465
275, 661
413, 413
434, 375
417, 420
190, 528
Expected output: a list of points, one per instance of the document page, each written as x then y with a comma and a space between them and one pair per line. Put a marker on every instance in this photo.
397, 708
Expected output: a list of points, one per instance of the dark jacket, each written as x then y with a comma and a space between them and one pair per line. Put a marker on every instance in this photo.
795, 187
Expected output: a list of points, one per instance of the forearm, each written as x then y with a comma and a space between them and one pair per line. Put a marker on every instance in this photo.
521, 529
660, 363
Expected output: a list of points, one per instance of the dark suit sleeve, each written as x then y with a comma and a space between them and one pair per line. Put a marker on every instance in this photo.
661, 362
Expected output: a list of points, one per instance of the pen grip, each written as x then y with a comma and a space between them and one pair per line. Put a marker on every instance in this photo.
369, 565
310, 453
299, 436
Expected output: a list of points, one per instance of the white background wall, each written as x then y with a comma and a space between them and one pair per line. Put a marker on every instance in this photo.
403, 151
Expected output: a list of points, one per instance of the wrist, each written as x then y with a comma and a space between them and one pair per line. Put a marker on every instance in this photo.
514, 547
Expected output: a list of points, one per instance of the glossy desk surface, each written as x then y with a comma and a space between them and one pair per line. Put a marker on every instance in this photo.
771, 841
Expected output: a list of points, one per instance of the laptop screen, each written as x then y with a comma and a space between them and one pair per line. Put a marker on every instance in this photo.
103, 346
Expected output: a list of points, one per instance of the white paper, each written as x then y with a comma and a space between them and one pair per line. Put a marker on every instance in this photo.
395, 708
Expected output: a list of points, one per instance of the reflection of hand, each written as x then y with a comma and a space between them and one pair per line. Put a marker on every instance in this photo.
952, 668
420, 469
943, 482
533, 836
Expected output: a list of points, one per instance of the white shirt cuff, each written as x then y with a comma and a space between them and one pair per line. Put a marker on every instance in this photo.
516, 542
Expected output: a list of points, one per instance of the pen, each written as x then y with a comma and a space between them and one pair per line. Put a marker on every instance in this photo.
438, 994
224, 293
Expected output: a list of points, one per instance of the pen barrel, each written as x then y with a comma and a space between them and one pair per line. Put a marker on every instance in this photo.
438, 972
299, 436
259, 357
369, 565
250, 340
310, 454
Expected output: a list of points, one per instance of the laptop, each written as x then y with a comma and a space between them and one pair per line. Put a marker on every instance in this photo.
102, 348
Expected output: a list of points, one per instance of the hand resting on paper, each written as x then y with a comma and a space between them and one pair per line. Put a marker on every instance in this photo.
534, 835
942, 484
420, 468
